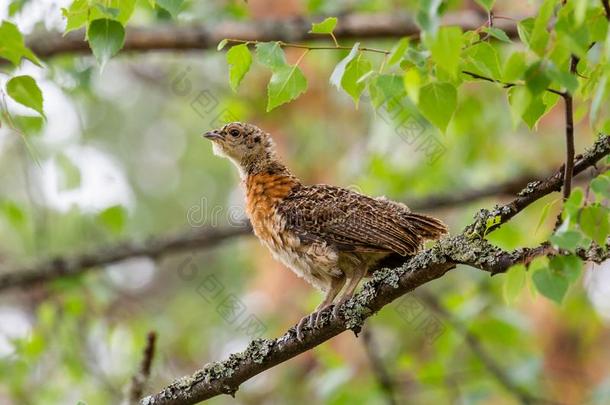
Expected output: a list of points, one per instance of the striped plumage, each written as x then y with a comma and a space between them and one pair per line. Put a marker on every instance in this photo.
330, 236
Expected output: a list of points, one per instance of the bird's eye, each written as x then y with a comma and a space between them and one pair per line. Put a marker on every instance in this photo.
234, 132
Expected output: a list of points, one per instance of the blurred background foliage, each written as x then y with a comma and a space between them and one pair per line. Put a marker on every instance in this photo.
120, 157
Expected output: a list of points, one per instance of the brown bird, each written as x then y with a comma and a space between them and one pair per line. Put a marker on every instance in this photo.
330, 236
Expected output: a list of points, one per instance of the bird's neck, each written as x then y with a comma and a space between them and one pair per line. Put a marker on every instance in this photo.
269, 164
267, 179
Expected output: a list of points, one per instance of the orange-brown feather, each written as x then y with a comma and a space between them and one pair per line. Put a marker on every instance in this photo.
264, 191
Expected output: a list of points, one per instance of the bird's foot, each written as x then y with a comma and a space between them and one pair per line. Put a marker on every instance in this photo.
337, 308
299, 329
319, 313
312, 320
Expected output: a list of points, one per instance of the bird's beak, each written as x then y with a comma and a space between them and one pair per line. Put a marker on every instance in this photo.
213, 135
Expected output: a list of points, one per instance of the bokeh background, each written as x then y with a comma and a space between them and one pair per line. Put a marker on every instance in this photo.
121, 158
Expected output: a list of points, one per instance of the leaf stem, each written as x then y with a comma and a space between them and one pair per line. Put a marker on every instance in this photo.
507, 85
569, 113
311, 48
301, 57
335, 40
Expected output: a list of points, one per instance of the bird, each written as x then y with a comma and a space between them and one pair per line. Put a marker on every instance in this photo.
330, 236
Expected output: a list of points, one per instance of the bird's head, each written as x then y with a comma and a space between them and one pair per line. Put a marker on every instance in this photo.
244, 144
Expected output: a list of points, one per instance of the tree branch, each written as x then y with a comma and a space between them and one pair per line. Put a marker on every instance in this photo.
383, 377
479, 351
46, 45
154, 248
509, 187
489, 220
139, 380
569, 107
386, 285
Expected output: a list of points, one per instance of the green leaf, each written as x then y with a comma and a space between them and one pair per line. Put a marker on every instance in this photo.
540, 33
594, 223
106, 38
113, 218
239, 60
386, 89
601, 185
172, 6
339, 70
427, 15
571, 206
483, 59
222, 44
446, 47
25, 91
270, 54
580, 10
544, 214
15, 215
412, 81
565, 238
514, 282
325, 27
515, 67
76, 15
536, 78
568, 266
15, 7
486, 4
527, 107
119, 10
398, 51
601, 93
12, 46
70, 173
563, 78
524, 29
108, 11
353, 72
29, 125
498, 34
551, 284
286, 84
437, 102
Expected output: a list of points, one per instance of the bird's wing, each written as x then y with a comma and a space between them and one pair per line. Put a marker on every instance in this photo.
354, 222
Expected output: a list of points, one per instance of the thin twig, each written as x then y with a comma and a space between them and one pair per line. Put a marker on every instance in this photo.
506, 85
569, 114
139, 380
383, 377
69, 266
606, 5
476, 346
309, 47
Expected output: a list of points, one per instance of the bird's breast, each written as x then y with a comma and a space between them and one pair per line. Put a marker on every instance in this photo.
264, 192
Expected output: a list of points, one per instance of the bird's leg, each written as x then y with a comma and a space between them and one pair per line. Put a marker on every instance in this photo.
353, 280
336, 284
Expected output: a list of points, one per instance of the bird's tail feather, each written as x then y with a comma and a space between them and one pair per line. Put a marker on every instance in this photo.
424, 226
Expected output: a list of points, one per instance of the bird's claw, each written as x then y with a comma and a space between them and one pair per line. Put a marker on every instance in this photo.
312, 320
337, 308
300, 325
